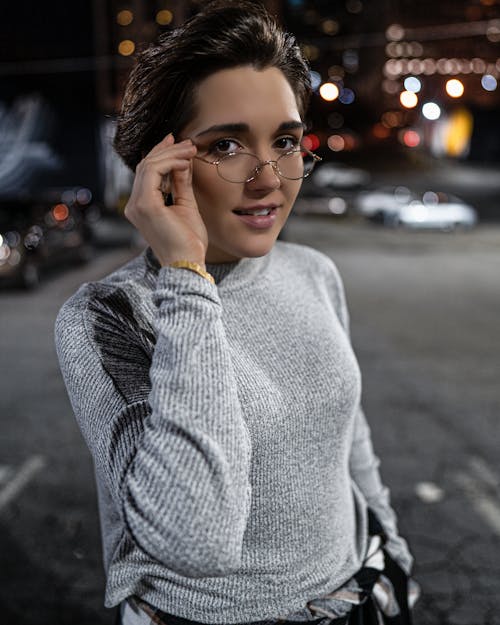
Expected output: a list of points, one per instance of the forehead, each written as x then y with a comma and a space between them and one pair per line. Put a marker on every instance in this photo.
260, 98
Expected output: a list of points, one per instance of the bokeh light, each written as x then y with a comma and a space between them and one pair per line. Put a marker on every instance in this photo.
431, 110
380, 131
392, 119
125, 17
329, 91
411, 138
347, 96
336, 143
337, 205
454, 88
311, 141
493, 31
408, 99
164, 17
126, 47
412, 84
489, 82
395, 32
315, 78
60, 212
330, 27
310, 51
336, 72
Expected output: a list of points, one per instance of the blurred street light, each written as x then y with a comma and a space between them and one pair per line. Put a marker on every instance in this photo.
431, 111
489, 82
126, 47
329, 91
454, 88
412, 84
124, 17
408, 99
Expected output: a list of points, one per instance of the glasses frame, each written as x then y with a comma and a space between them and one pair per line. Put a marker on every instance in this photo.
261, 164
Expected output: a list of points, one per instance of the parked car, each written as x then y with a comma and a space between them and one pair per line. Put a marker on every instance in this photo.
384, 200
398, 206
42, 232
316, 200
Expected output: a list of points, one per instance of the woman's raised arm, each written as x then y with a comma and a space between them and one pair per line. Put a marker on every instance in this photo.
165, 429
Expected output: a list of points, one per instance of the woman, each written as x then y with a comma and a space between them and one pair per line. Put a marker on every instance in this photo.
212, 376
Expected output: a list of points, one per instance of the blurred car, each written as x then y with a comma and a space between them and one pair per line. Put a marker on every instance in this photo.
42, 232
316, 200
339, 176
384, 200
398, 206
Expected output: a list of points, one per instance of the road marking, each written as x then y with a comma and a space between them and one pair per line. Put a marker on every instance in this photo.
20, 479
5, 473
482, 487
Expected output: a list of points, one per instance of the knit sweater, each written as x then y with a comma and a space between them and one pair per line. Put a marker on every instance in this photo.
233, 461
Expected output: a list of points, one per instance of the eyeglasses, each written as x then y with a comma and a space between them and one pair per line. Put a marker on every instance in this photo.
241, 167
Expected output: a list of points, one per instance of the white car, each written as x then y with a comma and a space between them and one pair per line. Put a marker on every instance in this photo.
431, 210
386, 200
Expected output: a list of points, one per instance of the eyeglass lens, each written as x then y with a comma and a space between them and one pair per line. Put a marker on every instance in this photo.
241, 167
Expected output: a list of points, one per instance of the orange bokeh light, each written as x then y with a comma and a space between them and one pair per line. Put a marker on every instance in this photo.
380, 131
60, 212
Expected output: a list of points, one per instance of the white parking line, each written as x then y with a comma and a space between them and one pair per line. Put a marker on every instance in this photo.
481, 487
5, 473
20, 479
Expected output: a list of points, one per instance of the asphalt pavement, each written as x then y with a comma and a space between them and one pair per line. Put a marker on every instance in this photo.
425, 323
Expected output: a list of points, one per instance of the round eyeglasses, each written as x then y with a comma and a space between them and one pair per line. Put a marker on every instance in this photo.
241, 167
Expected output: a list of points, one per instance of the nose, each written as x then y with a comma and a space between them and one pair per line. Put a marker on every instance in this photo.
266, 177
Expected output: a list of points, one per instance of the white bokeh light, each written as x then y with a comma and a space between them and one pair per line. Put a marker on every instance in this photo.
431, 110
412, 83
489, 82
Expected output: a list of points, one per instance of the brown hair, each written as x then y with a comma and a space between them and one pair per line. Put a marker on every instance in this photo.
160, 93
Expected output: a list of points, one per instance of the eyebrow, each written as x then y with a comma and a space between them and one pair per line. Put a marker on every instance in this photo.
241, 127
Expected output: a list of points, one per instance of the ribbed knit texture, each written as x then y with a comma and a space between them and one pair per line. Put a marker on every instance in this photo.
233, 461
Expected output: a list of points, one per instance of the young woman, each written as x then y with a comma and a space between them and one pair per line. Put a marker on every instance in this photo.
212, 376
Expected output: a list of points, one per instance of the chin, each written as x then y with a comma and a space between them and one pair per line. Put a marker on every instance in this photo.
251, 246
255, 249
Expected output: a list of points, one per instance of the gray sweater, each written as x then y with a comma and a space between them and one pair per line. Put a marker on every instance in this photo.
233, 461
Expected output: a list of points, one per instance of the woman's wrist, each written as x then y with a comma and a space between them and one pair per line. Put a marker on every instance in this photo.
198, 268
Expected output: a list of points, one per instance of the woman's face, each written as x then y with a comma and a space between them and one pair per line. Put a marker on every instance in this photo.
243, 110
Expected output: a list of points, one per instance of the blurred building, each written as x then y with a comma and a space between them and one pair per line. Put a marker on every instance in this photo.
381, 73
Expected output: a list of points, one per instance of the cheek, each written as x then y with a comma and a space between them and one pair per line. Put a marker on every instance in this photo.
213, 194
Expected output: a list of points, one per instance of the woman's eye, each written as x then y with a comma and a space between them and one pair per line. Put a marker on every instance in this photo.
224, 146
287, 143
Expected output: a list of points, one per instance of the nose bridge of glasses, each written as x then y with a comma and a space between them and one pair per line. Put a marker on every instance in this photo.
259, 168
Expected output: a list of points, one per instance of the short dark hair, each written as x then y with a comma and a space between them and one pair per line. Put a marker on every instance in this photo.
160, 93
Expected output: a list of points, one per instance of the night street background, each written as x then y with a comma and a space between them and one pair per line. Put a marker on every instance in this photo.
425, 324
424, 304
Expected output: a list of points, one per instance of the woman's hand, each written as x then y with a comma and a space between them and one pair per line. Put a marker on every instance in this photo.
175, 232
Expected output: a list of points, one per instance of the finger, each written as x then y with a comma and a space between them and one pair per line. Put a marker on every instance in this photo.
152, 178
182, 186
178, 150
167, 140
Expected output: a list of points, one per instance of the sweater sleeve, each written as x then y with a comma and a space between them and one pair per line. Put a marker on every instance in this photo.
166, 432
363, 462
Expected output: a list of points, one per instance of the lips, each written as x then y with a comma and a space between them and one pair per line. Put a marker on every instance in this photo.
257, 210
258, 218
